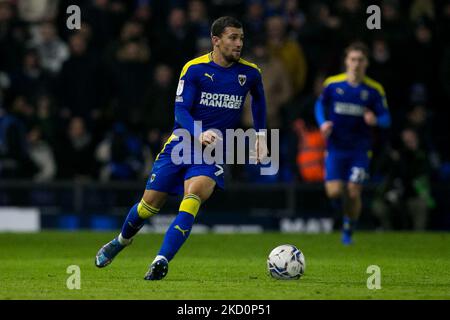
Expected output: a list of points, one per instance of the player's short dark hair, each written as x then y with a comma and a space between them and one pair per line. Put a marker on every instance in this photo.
219, 25
357, 46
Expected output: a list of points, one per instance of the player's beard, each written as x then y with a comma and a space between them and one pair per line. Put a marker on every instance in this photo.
232, 58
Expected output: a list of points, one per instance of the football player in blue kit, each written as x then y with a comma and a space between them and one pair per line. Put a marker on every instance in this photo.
211, 89
350, 104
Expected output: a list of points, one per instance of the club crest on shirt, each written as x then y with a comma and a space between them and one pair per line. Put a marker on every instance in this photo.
242, 79
364, 95
152, 178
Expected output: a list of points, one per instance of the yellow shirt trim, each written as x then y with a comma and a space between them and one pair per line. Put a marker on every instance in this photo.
374, 84
336, 78
172, 136
202, 59
247, 63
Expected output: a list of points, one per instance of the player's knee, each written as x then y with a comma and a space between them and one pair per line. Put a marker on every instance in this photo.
191, 204
334, 193
354, 194
145, 210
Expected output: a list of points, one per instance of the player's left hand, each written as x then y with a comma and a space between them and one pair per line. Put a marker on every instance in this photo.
370, 118
261, 148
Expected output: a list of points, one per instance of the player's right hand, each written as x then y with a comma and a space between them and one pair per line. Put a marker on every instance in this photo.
209, 137
326, 128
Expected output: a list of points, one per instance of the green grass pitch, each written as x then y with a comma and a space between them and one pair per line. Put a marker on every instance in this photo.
227, 266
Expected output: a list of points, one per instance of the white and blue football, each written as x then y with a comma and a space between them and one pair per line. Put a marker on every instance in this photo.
286, 262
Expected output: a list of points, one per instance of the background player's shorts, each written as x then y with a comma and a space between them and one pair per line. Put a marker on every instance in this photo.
350, 166
169, 177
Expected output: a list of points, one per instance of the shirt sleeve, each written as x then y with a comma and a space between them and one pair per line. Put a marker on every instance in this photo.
381, 110
322, 103
184, 102
258, 104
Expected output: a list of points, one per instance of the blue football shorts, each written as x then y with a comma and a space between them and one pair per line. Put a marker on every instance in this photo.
166, 176
349, 166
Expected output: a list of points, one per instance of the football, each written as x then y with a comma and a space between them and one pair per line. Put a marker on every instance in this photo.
286, 262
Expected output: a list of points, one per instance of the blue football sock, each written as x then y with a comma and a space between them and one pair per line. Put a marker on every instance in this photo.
336, 205
348, 225
133, 223
181, 227
136, 218
176, 235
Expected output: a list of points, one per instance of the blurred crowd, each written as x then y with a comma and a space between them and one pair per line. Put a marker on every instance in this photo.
97, 103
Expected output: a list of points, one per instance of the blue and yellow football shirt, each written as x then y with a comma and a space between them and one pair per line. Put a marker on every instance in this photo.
344, 105
215, 95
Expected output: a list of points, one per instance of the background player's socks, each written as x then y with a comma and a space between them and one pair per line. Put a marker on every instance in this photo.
336, 205
348, 226
135, 219
181, 227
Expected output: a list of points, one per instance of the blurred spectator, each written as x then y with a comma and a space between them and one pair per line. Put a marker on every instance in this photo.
311, 151
319, 37
309, 145
443, 24
253, 21
160, 96
394, 27
37, 11
443, 31
144, 14
75, 151
120, 155
227, 7
421, 9
418, 119
98, 15
45, 119
277, 88
51, 49
352, 16
288, 51
273, 7
12, 38
382, 65
42, 155
445, 72
15, 161
177, 44
295, 18
198, 18
404, 199
132, 30
80, 81
422, 49
131, 76
30, 80
203, 46
86, 32
384, 68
